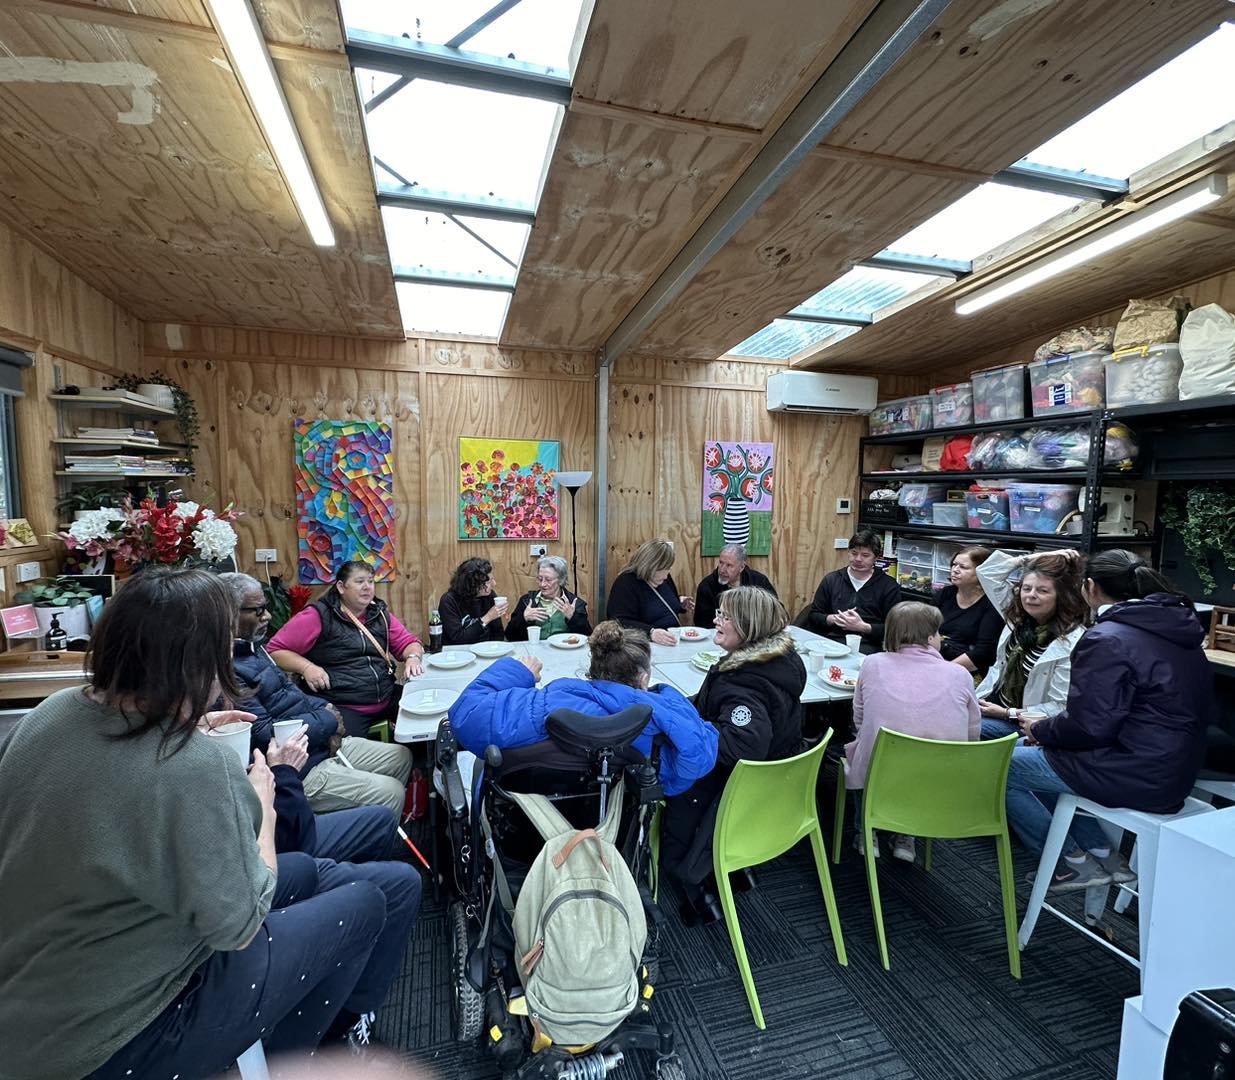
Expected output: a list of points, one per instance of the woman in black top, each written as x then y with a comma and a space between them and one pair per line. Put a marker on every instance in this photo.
644, 596
467, 608
971, 625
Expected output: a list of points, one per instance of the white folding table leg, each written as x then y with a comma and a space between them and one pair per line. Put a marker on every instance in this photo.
252, 1063
1061, 822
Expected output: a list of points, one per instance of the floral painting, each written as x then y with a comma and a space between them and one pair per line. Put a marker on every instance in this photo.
737, 496
507, 490
344, 497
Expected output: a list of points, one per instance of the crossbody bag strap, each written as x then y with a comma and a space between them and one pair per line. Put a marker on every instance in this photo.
661, 598
372, 640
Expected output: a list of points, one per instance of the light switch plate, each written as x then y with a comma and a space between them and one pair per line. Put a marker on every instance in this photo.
841, 544
29, 571
844, 506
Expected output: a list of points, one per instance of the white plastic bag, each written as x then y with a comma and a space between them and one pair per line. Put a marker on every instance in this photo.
1207, 345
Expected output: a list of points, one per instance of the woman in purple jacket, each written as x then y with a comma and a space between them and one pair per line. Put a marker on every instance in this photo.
1133, 732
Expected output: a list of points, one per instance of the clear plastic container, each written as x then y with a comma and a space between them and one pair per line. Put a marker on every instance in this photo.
952, 406
1042, 508
916, 576
987, 510
1068, 384
1144, 375
918, 499
902, 415
951, 514
914, 552
999, 394
944, 552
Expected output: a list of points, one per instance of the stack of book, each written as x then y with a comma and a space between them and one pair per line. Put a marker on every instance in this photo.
129, 434
104, 463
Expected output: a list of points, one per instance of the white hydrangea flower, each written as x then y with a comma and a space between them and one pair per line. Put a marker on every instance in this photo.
215, 540
94, 524
185, 509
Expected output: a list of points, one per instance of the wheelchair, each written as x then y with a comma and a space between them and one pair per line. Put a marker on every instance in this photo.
585, 762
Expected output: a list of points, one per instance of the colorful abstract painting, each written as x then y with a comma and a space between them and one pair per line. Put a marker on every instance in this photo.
344, 497
506, 489
737, 496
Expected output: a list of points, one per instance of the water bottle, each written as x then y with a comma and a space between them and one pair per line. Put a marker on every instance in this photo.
435, 632
57, 639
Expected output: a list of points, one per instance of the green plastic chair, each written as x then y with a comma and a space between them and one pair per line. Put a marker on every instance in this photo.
766, 808
380, 731
935, 788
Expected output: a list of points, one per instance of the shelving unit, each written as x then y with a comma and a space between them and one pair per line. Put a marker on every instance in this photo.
128, 403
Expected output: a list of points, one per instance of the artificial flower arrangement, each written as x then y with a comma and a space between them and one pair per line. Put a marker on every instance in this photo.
177, 532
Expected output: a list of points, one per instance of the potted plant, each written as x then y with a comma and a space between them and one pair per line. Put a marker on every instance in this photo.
86, 497
63, 597
186, 411
1203, 517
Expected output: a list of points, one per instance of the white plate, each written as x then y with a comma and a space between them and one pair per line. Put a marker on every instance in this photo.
705, 660
453, 658
833, 650
429, 702
694, 633
568, 641
847, 682
492, 648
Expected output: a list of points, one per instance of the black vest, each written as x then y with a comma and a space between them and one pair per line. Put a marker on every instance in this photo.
359, 673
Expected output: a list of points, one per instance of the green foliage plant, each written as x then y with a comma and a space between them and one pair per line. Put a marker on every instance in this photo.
1204, 518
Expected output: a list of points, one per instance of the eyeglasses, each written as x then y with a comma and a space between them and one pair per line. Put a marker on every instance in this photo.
721, 617
259, 610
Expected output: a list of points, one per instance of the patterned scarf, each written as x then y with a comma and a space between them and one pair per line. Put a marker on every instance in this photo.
1026, 646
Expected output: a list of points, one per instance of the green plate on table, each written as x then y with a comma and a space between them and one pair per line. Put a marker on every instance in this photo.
706, 659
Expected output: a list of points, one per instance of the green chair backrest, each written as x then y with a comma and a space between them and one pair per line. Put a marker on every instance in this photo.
934, 787
767, 807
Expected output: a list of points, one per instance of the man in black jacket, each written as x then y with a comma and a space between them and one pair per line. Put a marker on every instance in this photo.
856, 599
731, 570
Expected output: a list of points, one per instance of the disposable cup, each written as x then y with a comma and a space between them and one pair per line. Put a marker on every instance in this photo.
854, 641
1032, 716
533, 634
499, 601
285, 729
235, 737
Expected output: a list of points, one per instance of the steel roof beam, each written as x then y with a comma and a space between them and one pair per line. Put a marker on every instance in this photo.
422, 276
830, 318
441, 202
919, 264
1073, 185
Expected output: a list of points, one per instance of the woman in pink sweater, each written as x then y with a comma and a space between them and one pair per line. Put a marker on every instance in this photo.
908, 688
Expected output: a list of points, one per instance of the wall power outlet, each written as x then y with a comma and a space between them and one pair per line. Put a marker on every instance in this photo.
538, 550
265, 555
29, 571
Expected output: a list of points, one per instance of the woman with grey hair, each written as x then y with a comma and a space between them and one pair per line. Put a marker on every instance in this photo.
550, 606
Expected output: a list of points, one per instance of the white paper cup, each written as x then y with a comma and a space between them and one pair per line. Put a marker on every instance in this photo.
1032, 716
236, 738
854, 641
285, 729
533, 634
499, 601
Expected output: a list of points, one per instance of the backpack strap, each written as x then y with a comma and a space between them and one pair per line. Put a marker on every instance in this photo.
551, 824
608, 829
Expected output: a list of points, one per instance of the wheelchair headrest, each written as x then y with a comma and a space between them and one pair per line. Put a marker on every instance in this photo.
580, 731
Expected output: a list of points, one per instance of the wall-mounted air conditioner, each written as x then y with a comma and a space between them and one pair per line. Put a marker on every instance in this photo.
820, 392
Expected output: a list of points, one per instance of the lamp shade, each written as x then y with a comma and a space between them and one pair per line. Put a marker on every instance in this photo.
573, 479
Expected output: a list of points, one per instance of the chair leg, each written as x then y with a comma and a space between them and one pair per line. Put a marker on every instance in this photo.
1125, 894
926, 856
1065, 808
838, 826
1147, 845
725, 893
252, 1063
829, 897
1007, 887
872, 882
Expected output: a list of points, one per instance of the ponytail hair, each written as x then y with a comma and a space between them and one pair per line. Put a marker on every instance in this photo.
1121, 575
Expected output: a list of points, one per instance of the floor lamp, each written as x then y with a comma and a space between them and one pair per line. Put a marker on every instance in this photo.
572, 482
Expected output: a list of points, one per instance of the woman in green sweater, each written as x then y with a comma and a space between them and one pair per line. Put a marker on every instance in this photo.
138, 869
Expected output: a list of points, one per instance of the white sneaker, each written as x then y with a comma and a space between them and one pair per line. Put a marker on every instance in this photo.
360, 1034
903, 848
860, 847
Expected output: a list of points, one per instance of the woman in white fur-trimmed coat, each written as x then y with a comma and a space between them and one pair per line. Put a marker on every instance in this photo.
753, 696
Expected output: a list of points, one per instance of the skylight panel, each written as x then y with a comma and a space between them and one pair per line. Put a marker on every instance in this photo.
984, 219
455, 244
464, 141
446, 309
1184, 99
785, 338
864, 290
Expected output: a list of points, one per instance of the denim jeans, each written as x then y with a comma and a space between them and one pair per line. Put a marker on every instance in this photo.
997, 729
1032, 790
359, 835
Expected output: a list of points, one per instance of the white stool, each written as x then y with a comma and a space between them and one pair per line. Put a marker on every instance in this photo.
1144, 826
252, 1063
1205, 790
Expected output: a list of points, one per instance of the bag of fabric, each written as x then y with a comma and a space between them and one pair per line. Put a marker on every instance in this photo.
955, 457
1150, 322
1078, 339
579, 927
1207, 346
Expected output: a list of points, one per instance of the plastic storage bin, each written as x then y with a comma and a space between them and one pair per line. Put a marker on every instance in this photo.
951, 514
1042, 508
916, 576
914, 551
1068, 384
987, 509
952, 406
999, 394
918, 499
1144, 375
902, 415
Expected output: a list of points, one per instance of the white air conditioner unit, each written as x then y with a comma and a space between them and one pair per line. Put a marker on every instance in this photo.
819, 392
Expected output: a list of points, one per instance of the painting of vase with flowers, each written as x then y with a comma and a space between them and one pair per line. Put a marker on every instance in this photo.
737, 496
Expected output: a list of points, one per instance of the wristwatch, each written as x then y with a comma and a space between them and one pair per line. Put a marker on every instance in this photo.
1013, 715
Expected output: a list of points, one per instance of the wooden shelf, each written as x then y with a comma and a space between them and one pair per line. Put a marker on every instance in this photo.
999, 536
1047, 475
125, 444
1067, 420
79, 474
128, 402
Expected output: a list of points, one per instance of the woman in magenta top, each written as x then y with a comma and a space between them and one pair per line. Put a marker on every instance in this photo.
909, 688
347, 647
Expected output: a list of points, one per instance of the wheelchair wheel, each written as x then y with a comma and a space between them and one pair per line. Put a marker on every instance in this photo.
670, 1068
467, 1006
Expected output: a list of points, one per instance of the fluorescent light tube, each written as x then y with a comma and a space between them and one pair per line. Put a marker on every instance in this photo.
250, 60
1132, 227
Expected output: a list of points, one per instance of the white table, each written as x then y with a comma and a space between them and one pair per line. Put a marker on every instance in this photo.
671, 664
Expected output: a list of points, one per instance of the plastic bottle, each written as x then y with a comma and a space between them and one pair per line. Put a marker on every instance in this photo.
435, 632
57, 640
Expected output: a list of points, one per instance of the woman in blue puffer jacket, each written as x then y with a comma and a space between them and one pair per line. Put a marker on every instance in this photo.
502, 706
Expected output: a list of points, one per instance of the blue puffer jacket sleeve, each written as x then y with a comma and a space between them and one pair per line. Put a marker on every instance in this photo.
499, 708
691, 752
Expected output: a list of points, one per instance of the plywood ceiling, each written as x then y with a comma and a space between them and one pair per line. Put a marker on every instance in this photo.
645, 155
166, 198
